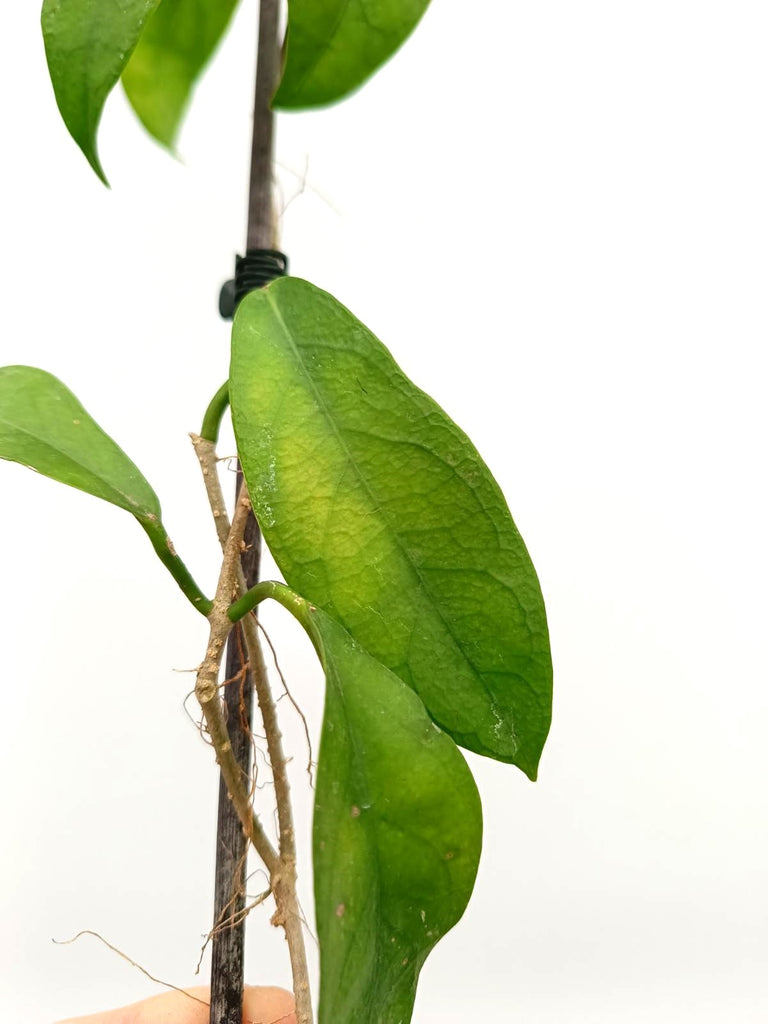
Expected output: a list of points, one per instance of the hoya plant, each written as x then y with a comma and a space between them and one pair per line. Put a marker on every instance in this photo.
399, 556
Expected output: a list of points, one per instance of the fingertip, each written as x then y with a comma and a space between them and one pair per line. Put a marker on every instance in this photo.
187, 1006
264, 1004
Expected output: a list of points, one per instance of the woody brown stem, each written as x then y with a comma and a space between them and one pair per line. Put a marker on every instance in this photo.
283, 869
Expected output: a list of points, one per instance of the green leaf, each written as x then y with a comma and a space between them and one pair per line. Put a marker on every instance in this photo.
378, 509
43, 426
88, 43
397, 833
176, 44
333, 46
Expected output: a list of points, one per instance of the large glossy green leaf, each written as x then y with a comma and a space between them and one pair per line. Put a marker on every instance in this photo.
43, 426
397, 834
88, 43
176, 44
379, 510
333, 46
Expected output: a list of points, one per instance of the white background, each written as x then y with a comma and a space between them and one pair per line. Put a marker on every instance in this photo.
556, 216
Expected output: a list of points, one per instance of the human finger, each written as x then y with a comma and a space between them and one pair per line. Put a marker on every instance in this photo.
261, 1005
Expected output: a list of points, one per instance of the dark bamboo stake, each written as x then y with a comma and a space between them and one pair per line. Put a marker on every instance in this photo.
261, 216
228, 943
227, 962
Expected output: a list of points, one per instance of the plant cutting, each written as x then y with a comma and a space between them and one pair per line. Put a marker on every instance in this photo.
399, 557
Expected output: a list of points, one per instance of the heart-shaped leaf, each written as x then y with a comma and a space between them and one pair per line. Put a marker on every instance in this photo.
378, 509
333, 46
88, 43
175, 46
397, 833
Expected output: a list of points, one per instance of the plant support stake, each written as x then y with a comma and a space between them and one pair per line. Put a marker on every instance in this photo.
228, 943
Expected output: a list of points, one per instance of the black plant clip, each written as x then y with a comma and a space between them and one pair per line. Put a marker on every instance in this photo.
254, 270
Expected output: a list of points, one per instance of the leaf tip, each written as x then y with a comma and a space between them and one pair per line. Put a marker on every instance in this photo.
161, 127
529, 764
98, 169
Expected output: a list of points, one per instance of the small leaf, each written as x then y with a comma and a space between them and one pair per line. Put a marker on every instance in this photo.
378, 509
397, 834
88, 43
43, 426
176, 44
333, 46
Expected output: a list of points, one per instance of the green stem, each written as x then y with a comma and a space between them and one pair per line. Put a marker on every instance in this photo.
214, 414
288, 598
245, 604
164, 549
